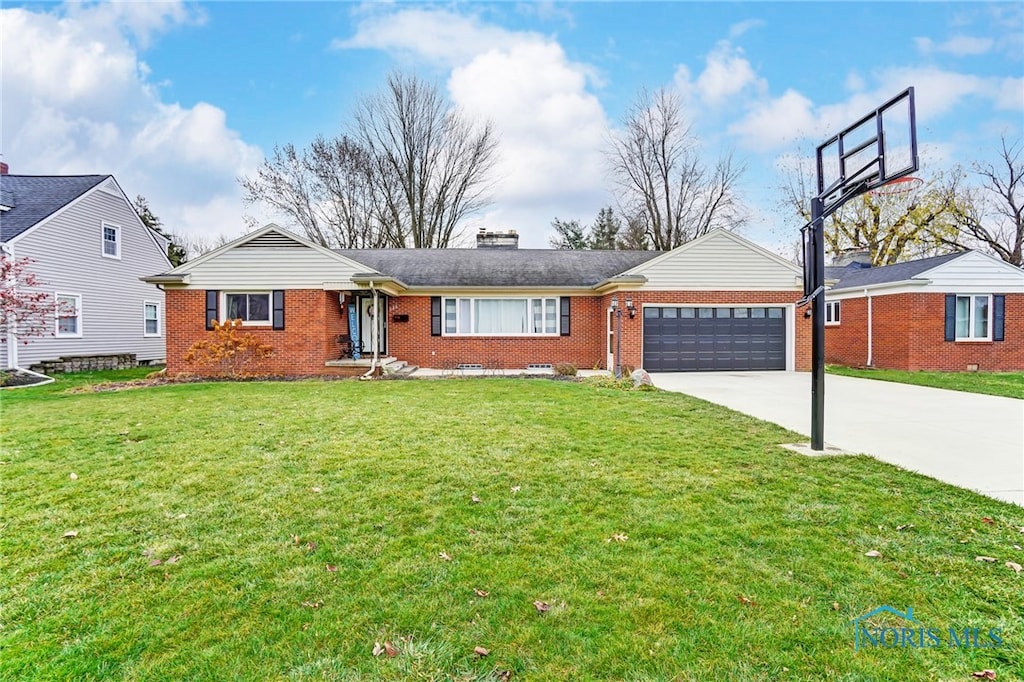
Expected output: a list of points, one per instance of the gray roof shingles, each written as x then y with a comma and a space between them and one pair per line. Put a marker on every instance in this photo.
855, 276
33, 198
498, 267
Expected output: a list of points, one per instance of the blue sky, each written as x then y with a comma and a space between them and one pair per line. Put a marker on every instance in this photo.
178, 100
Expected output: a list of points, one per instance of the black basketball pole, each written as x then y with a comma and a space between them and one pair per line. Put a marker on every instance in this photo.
818, 328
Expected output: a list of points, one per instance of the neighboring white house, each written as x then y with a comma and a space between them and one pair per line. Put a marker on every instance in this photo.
89, 249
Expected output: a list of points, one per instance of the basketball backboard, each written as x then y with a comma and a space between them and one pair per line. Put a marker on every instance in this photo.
875, 150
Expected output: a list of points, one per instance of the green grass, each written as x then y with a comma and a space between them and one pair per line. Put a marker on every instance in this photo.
381, 475
1008, 384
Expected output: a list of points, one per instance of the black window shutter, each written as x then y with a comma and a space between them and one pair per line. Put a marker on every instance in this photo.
950, 317
564, 317
998, 317
278, 305
212, 298
435, 316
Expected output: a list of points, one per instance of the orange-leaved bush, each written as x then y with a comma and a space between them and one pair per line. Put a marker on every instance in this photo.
231, 352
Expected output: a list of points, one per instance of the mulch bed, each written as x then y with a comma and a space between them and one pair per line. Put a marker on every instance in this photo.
15, 378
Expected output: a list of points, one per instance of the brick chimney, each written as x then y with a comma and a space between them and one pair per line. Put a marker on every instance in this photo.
4, 168
497, 240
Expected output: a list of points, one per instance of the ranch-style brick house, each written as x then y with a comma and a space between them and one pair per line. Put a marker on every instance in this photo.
958, 312
719, 302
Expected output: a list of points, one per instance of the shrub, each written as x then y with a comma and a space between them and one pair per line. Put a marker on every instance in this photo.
230, 352
565, 369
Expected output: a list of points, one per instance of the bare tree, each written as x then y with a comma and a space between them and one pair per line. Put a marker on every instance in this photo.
326, 190
994, 216
429, 163
660, 177
194, 245
896, 227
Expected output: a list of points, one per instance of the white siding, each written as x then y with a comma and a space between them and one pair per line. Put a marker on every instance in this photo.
67, 253
975, 272
719, 262
271, 267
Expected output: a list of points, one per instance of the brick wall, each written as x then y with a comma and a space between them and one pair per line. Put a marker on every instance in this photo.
909, 334
313, 321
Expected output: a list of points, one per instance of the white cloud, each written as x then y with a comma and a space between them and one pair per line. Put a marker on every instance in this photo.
726, 74
79, 100
741, 27
551, 127
958, 46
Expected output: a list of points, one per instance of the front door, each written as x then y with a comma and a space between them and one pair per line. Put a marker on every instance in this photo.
367, 321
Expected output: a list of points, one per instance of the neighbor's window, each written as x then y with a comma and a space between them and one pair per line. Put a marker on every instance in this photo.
69, 314
111, 241
253, 308
152, 319
831, 312
500, 316
974, 318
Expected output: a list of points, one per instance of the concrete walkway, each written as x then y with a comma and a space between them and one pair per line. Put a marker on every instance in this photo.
970, 440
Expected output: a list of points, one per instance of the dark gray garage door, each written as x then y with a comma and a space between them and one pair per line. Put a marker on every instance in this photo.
692, 339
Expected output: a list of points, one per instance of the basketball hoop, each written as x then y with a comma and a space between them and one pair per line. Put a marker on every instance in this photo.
902, 185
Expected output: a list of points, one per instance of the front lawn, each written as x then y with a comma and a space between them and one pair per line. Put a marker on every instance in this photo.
265, 531
1008, 384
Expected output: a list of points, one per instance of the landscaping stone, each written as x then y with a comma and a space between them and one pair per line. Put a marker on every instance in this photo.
640, 377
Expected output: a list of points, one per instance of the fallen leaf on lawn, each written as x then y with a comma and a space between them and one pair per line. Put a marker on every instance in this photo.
390, 649
73, 476
746, 601
332, 569
182, 515
984, 675
475, 498
480, 651
835, 606
516, 489
317, 489
542, 606
874, 554
155, 562
989, 559
905, 526
296, 540
310, 546
71, 534
503, 675
313, 604
173, 559
481, 593
1017, 568
473, 532
444, 555
147, 552
378, 649
986, 519
618, 537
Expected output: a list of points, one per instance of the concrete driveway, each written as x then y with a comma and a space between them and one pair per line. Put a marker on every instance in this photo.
970, 440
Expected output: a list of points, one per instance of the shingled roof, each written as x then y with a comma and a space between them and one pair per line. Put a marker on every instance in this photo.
853, 276
32, 198
499, 267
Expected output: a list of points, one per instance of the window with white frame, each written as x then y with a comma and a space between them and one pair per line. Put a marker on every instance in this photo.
151, 318
831, 312
974, 317
253, 308
68, 313
501, 316
111, 240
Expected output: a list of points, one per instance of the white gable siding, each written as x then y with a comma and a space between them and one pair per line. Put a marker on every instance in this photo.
975, 272
718, 263
271, 267
67, 252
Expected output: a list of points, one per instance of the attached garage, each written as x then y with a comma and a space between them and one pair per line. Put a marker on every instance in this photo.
714, 338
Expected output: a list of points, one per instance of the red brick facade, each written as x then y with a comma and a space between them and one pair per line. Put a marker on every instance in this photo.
908, 332
313, 321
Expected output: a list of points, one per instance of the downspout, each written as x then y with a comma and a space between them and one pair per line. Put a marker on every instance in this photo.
868, 296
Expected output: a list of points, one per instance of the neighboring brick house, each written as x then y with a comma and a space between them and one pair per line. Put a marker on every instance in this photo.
89, 248
958, 312
719, 302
